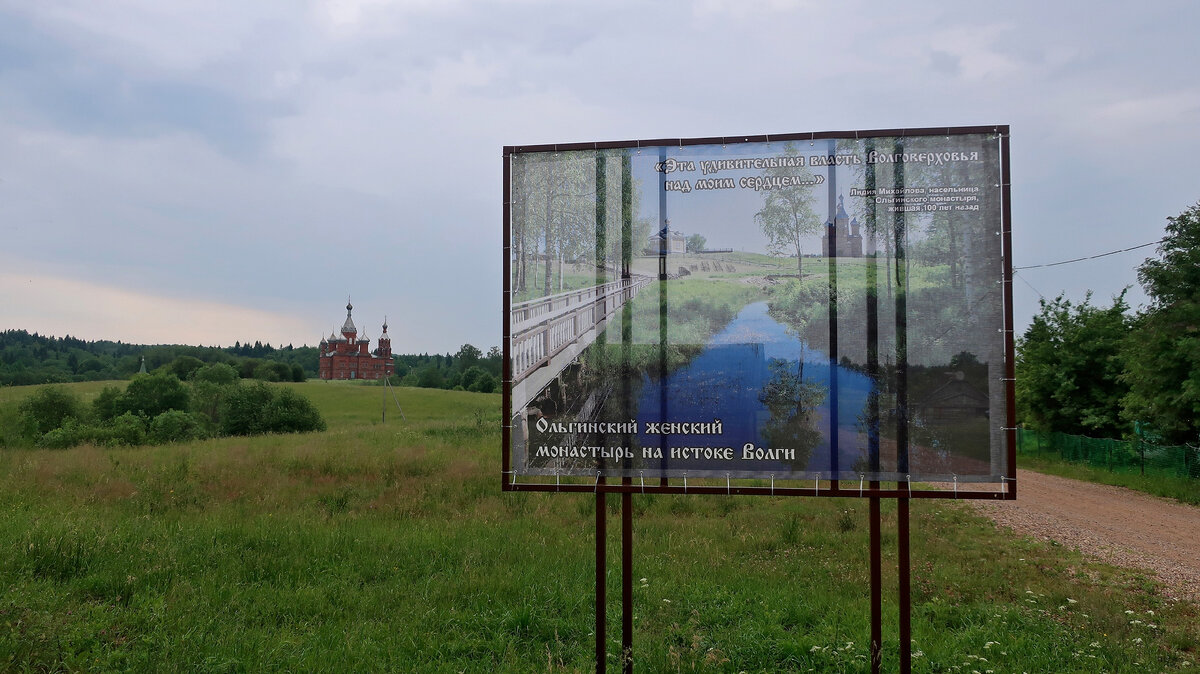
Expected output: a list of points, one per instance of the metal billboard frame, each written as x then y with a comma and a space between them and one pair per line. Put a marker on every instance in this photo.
743, 486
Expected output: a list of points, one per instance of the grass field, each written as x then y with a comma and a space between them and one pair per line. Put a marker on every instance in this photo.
389, 546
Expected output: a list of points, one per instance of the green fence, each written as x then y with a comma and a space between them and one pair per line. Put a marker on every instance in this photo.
1126, 456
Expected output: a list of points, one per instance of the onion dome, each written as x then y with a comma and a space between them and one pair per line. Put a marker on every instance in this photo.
348, 327
384, 337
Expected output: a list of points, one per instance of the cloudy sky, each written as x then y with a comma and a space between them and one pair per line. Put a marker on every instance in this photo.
205, 171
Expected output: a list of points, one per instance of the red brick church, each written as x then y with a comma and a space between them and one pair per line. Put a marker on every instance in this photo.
350, 357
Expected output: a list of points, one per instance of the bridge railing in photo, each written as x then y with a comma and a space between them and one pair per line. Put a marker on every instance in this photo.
544, 327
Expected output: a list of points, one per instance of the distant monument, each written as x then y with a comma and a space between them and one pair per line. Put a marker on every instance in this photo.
350, 357
848, 242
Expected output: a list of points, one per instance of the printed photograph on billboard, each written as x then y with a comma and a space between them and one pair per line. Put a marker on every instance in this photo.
797, 308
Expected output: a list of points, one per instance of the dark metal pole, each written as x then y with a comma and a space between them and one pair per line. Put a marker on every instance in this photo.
663, 249
876, 583
601, 575
876, 543
902, 467
832, 233
627, 581
902, 553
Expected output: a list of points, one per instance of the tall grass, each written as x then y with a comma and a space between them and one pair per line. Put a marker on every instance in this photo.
389, 546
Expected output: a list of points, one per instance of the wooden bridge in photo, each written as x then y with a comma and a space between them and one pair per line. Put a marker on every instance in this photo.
547, 334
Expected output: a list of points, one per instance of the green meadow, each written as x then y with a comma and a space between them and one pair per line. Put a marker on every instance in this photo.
389, 546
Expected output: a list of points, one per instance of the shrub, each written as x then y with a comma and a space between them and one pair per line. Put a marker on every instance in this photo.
486, 383
291, 412
126, 429
258, 408
184, 366
105, 404
152, 394
71, 433
175, 426
217, 373
273, 371
241, 411
46, 410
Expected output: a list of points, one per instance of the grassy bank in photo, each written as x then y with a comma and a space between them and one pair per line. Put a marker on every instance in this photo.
389, 546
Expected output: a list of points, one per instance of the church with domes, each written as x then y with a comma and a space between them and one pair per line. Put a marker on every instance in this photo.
350, 356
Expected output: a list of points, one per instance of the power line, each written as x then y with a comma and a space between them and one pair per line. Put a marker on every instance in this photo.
1090, 257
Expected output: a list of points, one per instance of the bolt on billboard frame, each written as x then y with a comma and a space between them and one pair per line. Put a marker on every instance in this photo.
809, 314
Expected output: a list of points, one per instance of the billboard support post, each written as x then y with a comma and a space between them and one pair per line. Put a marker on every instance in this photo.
627, 582
905, 584
601, 574
876, 590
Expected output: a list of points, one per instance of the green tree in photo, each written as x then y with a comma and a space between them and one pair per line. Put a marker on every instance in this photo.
1164, 351
787, 215
695, 243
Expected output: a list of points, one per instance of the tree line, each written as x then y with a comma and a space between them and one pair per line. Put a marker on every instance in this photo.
29, 359
1109, 372
467, 370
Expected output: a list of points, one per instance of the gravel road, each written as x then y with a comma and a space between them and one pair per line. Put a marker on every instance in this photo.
1117, 525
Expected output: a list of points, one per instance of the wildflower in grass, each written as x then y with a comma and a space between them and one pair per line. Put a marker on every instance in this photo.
1128, 612
1137, 640
1071, 601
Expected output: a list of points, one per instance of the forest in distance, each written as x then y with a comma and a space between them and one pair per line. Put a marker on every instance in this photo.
30, 359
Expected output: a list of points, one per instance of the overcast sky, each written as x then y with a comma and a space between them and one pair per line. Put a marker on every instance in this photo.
205, 171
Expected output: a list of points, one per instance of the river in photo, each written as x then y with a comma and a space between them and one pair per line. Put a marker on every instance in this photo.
768, 389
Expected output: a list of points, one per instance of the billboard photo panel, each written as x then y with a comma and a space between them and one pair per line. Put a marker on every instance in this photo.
804, 307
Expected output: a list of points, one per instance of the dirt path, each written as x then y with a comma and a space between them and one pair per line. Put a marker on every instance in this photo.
1119, 526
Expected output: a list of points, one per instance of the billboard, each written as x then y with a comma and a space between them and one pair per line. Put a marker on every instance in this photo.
825, 306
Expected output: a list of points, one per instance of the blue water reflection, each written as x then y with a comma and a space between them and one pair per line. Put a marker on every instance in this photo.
728, 381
